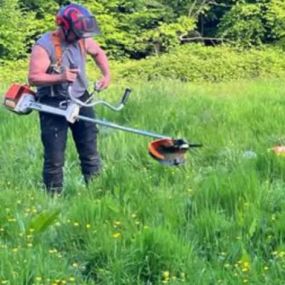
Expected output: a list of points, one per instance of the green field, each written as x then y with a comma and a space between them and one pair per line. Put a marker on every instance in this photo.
219, 219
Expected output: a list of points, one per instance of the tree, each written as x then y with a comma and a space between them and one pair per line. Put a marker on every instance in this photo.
15, 27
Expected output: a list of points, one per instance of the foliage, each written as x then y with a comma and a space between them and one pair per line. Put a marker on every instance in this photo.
254, 23
138, 29
275, 19
211, 64
15, 27
244, 24
187, 63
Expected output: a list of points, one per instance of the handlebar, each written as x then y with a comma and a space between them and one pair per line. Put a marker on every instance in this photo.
89, 102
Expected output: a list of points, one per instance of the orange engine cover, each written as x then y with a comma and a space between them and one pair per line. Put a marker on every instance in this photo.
14, 94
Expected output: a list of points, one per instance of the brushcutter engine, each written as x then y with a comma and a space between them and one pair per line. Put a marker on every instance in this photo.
18, 99
21, 99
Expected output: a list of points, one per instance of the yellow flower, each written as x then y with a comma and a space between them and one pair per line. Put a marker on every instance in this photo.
116, 235
116, 223
88, 226
165, 274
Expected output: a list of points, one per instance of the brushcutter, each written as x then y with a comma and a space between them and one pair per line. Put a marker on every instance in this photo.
21, 99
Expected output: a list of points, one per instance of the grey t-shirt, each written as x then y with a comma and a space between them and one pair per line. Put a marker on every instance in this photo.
71, 57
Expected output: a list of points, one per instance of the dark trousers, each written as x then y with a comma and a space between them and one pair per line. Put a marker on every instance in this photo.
54, 136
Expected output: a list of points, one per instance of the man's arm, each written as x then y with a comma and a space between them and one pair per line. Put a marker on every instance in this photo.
39, 64
100, 58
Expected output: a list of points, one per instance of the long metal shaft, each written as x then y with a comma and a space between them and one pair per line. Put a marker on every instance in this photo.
53, 110
122, 128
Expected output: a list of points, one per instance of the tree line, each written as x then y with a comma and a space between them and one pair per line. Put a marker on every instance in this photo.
140, 28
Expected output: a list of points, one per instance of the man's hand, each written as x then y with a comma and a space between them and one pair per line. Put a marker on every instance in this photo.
69, 75
103, 83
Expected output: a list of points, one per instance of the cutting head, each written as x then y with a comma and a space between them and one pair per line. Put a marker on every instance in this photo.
169, 151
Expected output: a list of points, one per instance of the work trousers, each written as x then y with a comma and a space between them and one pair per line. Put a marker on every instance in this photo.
54, 130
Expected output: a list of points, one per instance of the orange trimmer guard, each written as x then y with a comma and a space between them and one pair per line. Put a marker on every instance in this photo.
168, 151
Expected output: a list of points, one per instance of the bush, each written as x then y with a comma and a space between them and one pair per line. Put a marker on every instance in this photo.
200, 63
189, 63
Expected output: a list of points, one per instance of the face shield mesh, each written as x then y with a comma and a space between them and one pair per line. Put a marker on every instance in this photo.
85, 27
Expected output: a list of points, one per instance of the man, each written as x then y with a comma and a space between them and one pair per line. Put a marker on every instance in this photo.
57, 62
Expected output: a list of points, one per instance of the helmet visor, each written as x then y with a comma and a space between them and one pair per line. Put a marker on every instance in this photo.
85, 27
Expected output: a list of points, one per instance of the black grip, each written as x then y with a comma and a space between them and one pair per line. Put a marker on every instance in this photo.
126, 96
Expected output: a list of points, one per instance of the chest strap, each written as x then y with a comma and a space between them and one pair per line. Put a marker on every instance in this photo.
58, 48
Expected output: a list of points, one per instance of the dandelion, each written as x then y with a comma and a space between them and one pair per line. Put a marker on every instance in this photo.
273, 217
11, 220
227, 265
245, 266
15, 249
165, 274
88, 226
72, 279
116, 223
52, 251
190, 191
116, 235
34, 210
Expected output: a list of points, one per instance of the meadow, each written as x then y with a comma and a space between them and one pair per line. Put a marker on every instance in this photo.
218, 219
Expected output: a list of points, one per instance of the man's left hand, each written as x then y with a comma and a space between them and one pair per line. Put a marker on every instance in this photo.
103, 83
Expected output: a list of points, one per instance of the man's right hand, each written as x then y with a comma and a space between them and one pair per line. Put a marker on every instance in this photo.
69, 75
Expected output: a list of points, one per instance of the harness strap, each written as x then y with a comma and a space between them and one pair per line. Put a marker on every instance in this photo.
58, 48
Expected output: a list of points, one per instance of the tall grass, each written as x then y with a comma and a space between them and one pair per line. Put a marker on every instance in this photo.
219, 219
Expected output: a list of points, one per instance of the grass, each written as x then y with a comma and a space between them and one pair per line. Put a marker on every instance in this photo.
219, 219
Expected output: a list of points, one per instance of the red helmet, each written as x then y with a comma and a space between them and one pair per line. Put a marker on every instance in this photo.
77, 19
